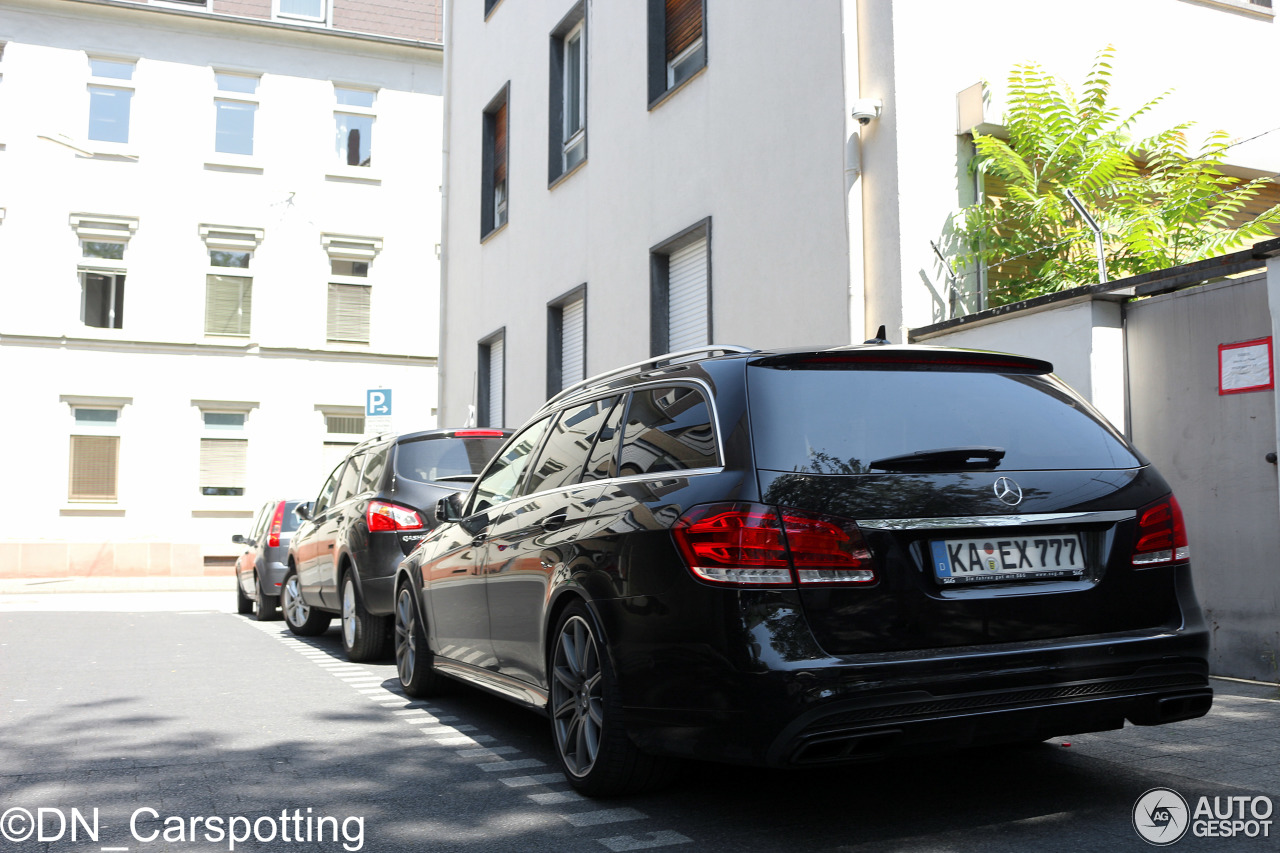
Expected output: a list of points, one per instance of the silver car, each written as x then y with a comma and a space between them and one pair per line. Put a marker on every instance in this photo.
261, 568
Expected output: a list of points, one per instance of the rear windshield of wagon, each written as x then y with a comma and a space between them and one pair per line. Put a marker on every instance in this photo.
839, 419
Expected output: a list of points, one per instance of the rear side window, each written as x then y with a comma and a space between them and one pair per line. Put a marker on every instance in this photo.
667, 429
603, 463
371, 478
444, 458
564, 455
350, 480
839, 421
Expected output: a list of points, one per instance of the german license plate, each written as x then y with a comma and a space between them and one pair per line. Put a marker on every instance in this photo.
1010, 558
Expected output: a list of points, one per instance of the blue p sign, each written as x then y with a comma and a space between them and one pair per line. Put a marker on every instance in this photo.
377, 402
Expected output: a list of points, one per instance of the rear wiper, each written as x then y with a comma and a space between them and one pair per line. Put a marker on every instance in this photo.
943, 458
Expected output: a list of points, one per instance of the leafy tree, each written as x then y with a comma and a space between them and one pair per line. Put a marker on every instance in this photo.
1158, 203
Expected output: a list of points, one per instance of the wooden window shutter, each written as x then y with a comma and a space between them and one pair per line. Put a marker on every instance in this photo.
684, 25
500, 144
93, 467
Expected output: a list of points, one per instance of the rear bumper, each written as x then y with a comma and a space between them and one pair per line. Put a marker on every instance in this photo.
842, 710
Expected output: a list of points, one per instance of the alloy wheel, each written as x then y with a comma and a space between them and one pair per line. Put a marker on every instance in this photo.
292, 604
349, 612
406, 628
577, 696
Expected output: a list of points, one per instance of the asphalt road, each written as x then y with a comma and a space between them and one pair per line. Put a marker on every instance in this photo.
157, 709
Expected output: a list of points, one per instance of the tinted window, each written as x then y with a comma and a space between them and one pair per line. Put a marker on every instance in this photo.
326, 493
668, 429
564, 454
260, 523
604, 456
290, 521
350, 480
838, 421
500, 481
442, 458
371, 478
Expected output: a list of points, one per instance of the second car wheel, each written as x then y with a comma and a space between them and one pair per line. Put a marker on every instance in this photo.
594, 750
364, 636
265, 606
303, 620
413, 658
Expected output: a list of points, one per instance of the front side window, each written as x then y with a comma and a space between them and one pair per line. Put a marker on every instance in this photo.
325, 498
564, 455
354, 125
236, 108
349, 485
667, 429
499, 483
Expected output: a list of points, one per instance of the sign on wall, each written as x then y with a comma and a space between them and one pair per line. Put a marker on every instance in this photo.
1245, 366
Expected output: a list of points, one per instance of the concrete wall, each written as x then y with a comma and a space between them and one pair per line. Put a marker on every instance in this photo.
171, 182
754, 143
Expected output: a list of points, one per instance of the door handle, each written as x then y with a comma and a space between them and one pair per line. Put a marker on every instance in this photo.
555, 521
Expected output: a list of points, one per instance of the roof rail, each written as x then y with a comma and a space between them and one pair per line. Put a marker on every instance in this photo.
656, 361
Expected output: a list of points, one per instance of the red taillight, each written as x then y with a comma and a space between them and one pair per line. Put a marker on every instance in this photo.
752, 545
1161, 538
385, 516
277, 522
478, 433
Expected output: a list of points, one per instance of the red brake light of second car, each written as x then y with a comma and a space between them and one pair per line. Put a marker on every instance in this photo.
745, 544
385, 516
277, 521
479, 433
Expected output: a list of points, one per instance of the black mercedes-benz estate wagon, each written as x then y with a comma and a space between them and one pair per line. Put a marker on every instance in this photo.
798, 558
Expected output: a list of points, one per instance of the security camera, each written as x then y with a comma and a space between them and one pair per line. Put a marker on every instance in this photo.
865, 109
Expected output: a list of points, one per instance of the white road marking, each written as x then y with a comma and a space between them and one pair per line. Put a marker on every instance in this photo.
664, 838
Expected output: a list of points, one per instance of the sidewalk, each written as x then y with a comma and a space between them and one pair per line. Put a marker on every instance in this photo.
43, 586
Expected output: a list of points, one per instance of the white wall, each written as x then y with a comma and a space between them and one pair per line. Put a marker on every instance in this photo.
755, 143
293, 188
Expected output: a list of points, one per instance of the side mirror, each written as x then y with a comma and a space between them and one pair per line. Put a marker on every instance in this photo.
239, 539
450, 508
303, 511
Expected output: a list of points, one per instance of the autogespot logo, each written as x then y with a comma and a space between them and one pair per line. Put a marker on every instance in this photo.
1160, 816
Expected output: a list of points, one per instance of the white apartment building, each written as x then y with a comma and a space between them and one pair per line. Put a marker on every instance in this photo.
624, 179
219, 226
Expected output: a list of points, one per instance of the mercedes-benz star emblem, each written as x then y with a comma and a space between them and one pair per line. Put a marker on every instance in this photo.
1008, 491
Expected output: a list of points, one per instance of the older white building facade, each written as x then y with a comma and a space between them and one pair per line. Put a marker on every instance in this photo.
627, 179
218, 233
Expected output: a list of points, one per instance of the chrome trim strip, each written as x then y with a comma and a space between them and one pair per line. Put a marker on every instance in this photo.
952, 522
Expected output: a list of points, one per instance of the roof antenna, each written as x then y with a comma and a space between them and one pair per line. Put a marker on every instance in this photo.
879, 338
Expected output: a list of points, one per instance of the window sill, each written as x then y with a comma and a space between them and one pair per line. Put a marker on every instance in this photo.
1243, 7
228, 512
92, 510
354, 175
232, 163
564, 176
485, 238
661, 99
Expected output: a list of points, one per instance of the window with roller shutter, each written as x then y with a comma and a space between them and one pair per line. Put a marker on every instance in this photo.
228, 304
491, 381
680, 291
566, 340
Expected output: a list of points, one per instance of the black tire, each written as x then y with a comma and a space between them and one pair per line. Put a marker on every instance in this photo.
302, 619
593, 747
265, 607
244, 604
413, 657
364, 636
